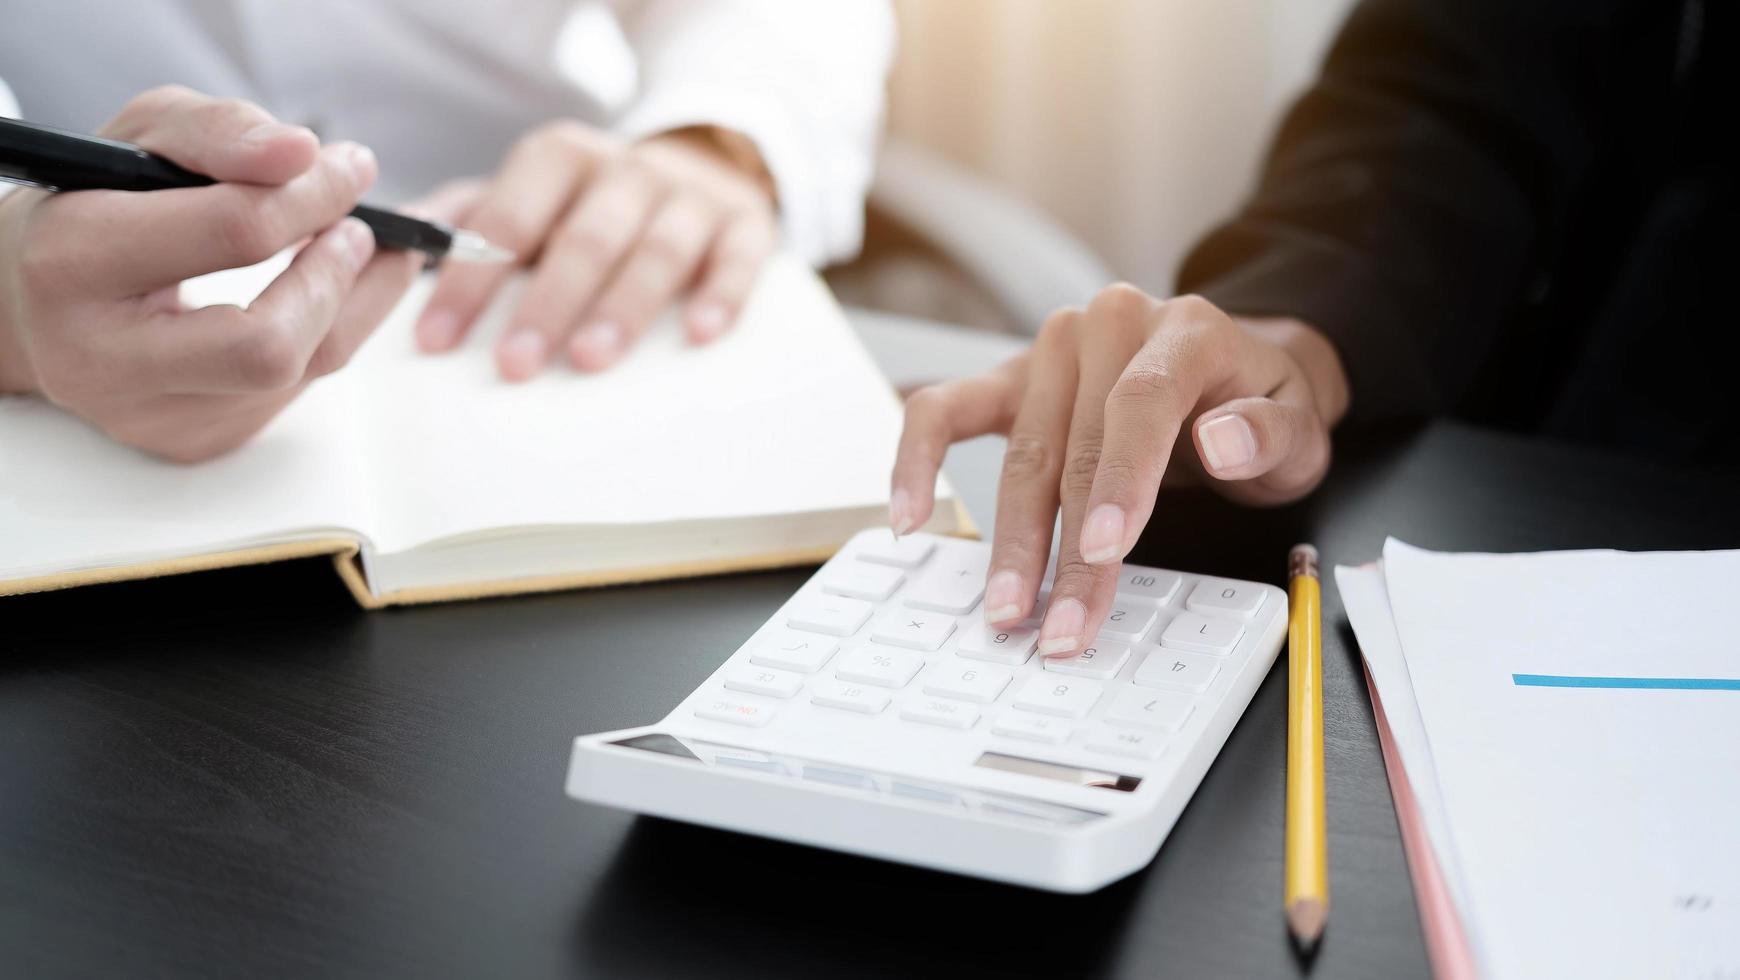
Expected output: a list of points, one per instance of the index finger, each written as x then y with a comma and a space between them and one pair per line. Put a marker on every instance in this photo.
225, 139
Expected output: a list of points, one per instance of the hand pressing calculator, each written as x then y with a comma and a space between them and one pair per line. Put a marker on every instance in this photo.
876, 713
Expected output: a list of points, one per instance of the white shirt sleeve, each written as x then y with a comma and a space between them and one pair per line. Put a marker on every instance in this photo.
802, 79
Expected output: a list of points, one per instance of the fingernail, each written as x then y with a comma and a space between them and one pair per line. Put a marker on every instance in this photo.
359, 241
1061, 632
521, 353
1228, 442
363, 166
267, 132
708, 320
1003, 597
1102, 536
438, 329
900, 512
596, 345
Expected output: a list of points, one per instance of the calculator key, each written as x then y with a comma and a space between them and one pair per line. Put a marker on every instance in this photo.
878, 665
851, 697
907, 552
1129, 744
761, 680
913, 629
1010, 647
734, 711
1191, 672
1101, 661
794, 650
929, 794
749, 759
1032, 728
1148, 586
1127, 621
953, 585
840, 777
1061, 696
967, 682
861, 580
936, 711
1159, 710
1219, 595
1202, 634
830, 614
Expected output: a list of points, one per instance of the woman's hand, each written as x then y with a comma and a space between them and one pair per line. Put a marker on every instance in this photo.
90, 315
1092, 413
615, 232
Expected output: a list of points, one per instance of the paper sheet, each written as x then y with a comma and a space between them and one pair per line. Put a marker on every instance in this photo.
1413, 779
1582, 712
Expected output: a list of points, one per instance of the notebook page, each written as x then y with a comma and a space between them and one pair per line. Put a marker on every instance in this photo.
784, 414
70, 498
1588, 752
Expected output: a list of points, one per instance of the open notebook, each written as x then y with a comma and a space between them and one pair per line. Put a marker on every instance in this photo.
427, 478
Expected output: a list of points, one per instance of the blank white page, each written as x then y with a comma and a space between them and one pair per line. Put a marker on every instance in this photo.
784, 414
70, 498
1583, 710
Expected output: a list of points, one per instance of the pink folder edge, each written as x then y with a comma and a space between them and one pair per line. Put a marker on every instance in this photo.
1446, 944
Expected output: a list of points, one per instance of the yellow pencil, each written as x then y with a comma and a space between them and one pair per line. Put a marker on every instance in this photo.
1307, 889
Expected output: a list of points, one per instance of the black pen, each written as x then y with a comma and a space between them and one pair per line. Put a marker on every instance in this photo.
56, 159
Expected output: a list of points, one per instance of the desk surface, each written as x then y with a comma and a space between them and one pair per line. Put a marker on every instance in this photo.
238, 773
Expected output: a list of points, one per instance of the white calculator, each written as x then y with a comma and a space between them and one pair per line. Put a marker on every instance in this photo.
876, 713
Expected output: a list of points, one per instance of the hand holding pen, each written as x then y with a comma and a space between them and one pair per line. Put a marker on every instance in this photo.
90, 316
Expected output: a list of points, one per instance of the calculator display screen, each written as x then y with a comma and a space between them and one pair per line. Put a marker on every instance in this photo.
1004, 805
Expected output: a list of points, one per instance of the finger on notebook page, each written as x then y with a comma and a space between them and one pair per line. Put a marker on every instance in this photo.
1111, 332
1027, 490
582, 253
386, 278
728, 275
225, 139
659, 265
936, 418
378, 288
267, 347
516, 211
1265, 450
1191, 346
197, 230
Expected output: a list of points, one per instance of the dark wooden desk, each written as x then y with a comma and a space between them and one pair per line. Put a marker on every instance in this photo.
239, 774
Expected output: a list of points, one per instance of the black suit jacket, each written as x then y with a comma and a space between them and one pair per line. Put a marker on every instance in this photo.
1517, 211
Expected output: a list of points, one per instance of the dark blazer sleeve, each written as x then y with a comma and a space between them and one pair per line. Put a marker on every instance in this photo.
1411, 195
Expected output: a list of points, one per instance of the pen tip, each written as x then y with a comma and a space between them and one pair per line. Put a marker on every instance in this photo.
469, 246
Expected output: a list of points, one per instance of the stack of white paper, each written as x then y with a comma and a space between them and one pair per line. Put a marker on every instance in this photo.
1568, 726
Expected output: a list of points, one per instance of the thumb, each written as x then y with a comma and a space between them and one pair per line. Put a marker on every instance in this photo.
225, 139
1264, 450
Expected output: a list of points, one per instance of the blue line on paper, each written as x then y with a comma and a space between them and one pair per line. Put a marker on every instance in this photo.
1632, 683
